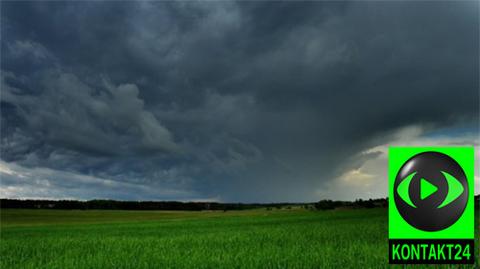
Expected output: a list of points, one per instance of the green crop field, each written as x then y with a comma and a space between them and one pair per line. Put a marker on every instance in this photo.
160, 239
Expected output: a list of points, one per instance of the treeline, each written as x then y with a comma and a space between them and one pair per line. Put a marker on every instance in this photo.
129, 205
370, 203
191, 206
359, 203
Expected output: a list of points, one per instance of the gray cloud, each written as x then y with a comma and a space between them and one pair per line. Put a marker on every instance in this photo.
75, 116
241, 101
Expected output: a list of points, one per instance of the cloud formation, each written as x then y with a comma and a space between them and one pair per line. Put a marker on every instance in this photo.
69, 113
241, 101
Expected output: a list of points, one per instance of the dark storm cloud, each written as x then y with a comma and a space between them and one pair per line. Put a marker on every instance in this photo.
239, 101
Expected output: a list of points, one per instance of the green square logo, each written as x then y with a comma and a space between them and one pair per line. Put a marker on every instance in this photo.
431, 197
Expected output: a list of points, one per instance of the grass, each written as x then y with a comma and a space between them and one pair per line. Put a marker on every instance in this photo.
159, 239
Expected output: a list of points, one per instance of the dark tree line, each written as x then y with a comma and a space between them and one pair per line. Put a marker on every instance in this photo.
359, 203
190, 206
370, 203
128, 205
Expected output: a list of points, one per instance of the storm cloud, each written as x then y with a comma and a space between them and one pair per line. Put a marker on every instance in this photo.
229, 101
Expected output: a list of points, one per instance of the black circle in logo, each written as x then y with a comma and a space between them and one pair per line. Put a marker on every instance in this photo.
426, 209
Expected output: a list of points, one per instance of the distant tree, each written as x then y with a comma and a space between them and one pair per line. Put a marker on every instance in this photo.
324, 205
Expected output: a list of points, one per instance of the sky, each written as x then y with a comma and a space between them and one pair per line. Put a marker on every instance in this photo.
229, 101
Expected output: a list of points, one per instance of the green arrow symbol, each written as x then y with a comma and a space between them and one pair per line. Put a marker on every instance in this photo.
426, 188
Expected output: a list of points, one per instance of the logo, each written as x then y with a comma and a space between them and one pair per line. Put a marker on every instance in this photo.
431, 211
431, 191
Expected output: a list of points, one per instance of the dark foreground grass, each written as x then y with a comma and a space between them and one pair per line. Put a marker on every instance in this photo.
155, 239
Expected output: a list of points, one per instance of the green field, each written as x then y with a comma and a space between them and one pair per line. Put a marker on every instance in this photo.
160, 239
